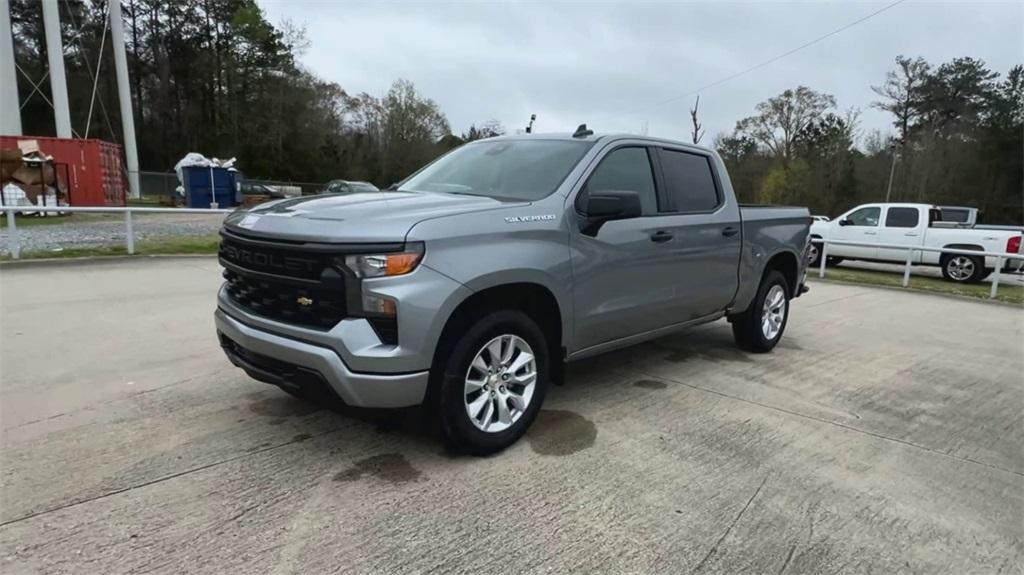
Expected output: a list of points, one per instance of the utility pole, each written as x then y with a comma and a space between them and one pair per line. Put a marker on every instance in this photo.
10, 110
892, 172
124, 96
55, 57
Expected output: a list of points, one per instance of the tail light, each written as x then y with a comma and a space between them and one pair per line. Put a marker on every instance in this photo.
1013, 245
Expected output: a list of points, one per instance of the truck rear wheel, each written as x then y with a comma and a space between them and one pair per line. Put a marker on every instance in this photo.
493, 383
962, 268
760, 327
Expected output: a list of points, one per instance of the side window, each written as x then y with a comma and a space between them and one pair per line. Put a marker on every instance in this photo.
627, 169
901, 218
689, 182
865, 217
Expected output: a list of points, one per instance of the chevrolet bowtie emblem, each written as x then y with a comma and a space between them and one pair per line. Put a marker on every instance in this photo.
305, 301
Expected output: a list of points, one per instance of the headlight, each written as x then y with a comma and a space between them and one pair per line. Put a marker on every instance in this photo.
382, 265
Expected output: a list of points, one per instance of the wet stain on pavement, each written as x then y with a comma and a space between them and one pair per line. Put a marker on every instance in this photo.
390, 467
283, 407
724, 353
557, 432
650, 384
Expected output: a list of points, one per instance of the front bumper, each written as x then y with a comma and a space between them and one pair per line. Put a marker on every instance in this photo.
291, 363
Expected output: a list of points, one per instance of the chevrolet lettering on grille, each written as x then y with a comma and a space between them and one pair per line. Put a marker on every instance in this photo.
253, 258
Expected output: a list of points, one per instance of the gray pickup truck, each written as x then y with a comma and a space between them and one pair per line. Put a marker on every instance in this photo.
470, 283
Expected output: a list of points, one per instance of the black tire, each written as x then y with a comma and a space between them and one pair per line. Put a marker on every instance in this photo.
961, 268
832, 262
459, 431
814, 254
746, 326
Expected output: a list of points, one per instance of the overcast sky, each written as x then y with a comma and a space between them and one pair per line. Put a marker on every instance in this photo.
610, 64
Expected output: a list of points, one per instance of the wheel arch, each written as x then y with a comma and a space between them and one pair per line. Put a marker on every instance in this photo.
788, 264
534, 299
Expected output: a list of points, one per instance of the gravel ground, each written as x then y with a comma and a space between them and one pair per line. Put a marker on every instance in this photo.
93, 231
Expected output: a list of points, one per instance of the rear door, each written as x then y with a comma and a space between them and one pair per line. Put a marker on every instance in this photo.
901, 226
861, 226
705, 230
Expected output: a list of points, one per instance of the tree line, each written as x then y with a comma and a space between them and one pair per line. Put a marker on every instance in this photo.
959, 140
214, 76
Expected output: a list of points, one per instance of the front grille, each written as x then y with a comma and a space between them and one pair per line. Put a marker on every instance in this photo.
308, 306
284, 282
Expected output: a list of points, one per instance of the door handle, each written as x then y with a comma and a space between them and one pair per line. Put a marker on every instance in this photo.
871, 233
661, 237
730, 231
913, 234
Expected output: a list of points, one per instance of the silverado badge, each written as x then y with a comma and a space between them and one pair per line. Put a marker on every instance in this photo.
304, 301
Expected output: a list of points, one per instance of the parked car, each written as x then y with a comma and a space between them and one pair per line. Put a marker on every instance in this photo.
347, 187
881, 226
469, 285
256, 189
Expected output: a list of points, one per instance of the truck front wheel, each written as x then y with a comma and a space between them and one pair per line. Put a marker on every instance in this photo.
760, 327
494, 382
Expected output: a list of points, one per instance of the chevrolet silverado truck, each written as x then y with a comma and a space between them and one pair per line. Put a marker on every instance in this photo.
886, 231
468, 285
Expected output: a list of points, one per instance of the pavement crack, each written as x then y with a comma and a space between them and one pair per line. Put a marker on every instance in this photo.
837, 424
714, 549
789, 557
161, 480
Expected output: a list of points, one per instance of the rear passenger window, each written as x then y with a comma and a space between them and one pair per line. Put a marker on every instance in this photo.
627, 170
690, 185
901, 218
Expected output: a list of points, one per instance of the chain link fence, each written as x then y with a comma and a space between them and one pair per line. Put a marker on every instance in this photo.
161, 188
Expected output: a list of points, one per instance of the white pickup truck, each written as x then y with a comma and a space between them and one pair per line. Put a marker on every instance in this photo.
913, 225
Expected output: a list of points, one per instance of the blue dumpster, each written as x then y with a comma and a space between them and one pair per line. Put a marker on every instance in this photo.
200, 191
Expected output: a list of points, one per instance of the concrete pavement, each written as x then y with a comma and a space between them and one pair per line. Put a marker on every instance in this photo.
883, 435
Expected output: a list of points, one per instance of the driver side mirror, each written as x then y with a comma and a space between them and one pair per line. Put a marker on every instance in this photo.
608, 205
845, 222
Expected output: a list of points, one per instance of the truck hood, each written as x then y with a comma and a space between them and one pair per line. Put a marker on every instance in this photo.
356, 217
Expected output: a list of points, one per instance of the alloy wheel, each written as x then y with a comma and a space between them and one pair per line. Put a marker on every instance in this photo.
774, 312
960, 268
500, 383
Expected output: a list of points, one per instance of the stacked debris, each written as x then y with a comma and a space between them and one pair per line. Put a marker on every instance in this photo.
28, 177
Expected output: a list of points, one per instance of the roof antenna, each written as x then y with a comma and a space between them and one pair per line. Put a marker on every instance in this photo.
582, 132
529, 128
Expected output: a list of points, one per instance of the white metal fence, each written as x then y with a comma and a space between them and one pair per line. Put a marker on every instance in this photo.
12, 225
911, 250
15, 245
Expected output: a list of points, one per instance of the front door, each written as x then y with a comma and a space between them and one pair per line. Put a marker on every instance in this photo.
861, 226
621, 279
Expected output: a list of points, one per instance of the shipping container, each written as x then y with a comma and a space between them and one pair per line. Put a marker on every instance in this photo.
95, 172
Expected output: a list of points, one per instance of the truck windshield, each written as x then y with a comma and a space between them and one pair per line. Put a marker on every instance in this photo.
502, 169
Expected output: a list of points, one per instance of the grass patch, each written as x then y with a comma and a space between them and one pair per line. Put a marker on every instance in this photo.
1007, 293
206, 244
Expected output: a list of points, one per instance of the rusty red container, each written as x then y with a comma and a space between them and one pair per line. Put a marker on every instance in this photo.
96, 175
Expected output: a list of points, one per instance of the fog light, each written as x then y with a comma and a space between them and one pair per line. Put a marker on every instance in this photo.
380, 305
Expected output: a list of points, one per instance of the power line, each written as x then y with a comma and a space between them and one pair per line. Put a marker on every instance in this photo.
774, 59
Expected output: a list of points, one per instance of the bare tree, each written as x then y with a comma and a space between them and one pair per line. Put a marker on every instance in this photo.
780, 119
698, 131
903, 92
